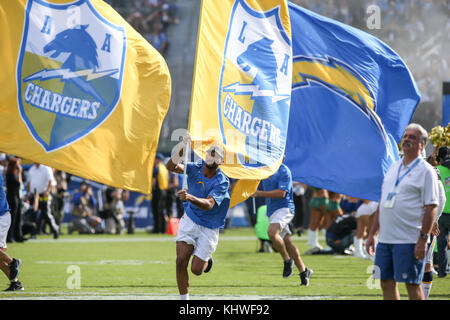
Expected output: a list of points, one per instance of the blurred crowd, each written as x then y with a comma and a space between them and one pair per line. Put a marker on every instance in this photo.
42, 198
39, 197
151, 18
418, 30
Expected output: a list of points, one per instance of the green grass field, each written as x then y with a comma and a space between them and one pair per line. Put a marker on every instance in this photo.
142, 266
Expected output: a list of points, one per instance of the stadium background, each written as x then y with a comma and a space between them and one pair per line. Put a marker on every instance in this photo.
418, 30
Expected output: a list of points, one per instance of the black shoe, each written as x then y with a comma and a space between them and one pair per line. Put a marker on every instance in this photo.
287, 270
209, 266
14, 268
55, 233
15, 286
304, 277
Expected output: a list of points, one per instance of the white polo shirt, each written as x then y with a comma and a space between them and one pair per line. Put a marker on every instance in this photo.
39, 178
402, 222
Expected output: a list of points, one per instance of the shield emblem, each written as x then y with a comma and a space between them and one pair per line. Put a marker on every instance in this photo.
255, 86
447, 181
69, 71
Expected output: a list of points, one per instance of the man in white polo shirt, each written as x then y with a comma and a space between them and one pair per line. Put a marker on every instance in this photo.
40, 179
404, 219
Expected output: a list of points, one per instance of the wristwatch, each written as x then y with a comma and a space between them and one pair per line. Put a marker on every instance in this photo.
424, 236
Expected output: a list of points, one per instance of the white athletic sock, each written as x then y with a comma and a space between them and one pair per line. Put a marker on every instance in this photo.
357, 242
310, 238
184, 296
426, 288
315, 240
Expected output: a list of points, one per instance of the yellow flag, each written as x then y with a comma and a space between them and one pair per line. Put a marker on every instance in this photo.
81, 91
242, 190
242, 84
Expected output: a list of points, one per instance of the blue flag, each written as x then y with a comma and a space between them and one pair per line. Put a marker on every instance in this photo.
446, 105
352, 98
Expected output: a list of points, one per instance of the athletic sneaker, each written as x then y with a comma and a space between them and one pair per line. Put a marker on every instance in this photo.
304, 277
14, 268
15, 286
267, 246
208, 268
314, 250
287, 270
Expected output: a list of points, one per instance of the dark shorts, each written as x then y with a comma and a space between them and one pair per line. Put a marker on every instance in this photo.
333, 205
397, 262
318, 202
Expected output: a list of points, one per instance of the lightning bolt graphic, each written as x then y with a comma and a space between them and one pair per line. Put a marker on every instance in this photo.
64, 74
254, 91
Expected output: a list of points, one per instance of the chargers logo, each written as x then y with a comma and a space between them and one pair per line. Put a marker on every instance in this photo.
69, 71
447, 181
255, 86
339, 78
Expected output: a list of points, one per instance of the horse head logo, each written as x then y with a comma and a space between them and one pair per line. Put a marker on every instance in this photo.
83, 57
255, 86
79, 44
69, 78
260, 58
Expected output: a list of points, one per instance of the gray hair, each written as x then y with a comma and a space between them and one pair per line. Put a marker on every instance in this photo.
423, 133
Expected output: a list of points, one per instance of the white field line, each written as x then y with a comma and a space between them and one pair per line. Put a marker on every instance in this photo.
143, 239
145, 296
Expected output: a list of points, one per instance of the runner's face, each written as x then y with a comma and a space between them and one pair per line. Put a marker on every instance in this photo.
212, 161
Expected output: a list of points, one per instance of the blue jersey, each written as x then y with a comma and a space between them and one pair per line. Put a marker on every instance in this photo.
349, 207
282, 179
202, 187
4, 207
77, 198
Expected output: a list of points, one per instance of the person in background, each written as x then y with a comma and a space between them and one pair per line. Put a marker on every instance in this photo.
160, 184
114, 204
339, 235
59, 195
300, 204
443, 158
427, 280
280, 210
39, 186
83, 215
14, 185
333, 209
404, 219
317, 205
172, 190
3, 163
9, 266
364, 215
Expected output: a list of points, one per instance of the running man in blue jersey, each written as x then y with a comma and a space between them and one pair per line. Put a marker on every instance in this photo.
9, 266
280, 210
206, 203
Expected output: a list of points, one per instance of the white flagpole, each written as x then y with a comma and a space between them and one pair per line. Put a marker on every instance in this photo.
187, 152
254, 206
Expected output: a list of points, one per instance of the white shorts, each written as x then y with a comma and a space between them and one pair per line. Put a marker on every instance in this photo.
5, 223
203, 239
366, 209
282, 216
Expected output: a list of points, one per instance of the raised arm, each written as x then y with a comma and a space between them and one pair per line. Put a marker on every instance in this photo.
177, 168
174, 165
